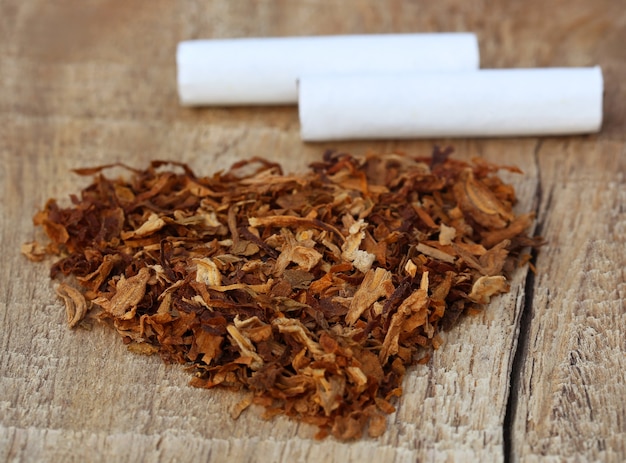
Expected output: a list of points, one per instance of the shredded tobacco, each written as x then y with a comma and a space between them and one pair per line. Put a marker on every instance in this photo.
313, 292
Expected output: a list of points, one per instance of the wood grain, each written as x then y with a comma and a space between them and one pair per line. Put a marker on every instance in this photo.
84, 83
573, 379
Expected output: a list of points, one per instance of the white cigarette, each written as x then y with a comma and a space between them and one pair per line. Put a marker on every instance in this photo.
482, 103
265, 70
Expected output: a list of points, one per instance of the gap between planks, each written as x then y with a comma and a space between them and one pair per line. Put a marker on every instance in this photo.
524, 323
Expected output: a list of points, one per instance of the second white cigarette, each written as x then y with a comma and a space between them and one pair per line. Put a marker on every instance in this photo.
482, 103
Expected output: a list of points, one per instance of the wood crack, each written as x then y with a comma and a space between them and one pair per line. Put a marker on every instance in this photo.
524, 324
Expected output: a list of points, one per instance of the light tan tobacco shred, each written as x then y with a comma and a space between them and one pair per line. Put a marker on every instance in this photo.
75, 304
376, 284
312, 292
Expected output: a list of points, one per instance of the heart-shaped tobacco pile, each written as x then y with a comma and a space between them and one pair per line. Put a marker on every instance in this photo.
313, 292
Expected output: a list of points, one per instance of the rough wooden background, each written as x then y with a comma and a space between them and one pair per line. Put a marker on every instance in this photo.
540, 376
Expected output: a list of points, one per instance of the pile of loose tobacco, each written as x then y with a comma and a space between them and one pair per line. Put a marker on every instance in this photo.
314, 292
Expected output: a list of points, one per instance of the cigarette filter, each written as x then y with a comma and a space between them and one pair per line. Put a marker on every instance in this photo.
485, 103
265, 70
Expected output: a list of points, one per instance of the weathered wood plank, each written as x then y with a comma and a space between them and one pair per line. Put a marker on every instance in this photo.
572, 393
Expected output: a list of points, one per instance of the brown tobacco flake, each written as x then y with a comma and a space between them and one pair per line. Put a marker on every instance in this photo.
75, 304
477, 199
128, 293
34, 251
153, 224
312, 292
486, 287
412, 314
376, 284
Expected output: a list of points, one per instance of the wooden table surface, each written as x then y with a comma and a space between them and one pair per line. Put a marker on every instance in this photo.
539, 376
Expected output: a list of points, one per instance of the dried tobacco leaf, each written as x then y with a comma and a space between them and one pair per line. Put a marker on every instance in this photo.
75, 304
314, 292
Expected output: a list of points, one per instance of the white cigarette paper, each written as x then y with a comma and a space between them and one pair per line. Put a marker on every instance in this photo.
507, 102
265, 70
